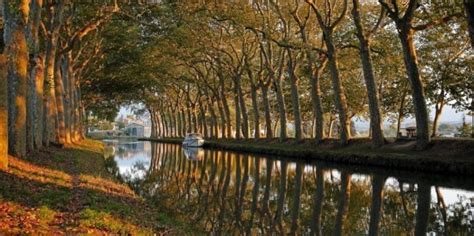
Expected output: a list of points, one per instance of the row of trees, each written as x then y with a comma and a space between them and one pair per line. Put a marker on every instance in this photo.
230, 69
42, 62
227, 68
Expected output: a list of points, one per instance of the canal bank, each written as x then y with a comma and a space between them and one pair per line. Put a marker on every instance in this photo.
445, 156
71, 190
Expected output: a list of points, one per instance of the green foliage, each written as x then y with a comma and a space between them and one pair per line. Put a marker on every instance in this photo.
465, 130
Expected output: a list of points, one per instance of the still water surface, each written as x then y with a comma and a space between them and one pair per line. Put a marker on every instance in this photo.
233, 193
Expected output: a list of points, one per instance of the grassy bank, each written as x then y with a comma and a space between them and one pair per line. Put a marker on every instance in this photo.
70, 191
446, 156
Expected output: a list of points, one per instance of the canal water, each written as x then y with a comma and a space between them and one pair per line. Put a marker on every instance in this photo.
237, 193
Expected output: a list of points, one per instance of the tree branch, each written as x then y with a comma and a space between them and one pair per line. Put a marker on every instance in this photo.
437, 22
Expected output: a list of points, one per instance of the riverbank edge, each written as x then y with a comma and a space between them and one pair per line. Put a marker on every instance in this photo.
70, 190
406, 161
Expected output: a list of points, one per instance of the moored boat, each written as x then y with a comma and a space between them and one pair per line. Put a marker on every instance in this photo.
193, 140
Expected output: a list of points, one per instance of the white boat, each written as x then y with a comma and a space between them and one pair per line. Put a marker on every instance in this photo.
193, 140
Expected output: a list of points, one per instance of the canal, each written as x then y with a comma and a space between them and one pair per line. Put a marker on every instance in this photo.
237, 193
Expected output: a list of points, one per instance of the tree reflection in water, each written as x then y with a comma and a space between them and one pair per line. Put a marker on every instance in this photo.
229, 193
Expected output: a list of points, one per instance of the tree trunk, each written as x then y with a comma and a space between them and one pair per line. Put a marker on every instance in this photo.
318, 113
268, 119
190, 121
214, 125
371, 85
67, 98
243, 109
339, 96
15, 18
204, 128
3, 112
35, 62
79, 113
226, 107
183, 122
159, 126
281, 107
256, 115
295, 101
411, 63
59, 90
72, 99
469, 7
195, 119
38, 74
164, 123
438, 110
222, 118
49, 100
153, 124
237, 111
401, 113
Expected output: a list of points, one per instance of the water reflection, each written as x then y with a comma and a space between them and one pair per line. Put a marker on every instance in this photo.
232, 193
193, 153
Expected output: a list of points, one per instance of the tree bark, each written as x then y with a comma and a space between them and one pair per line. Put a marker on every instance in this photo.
64, 65
237, 111
401, 113
59, 90
3, 113
222, 118
15, 17
243, 109
54, 13
179, 121
371, 85
411, 63
183, 122
256, 115
214, 125
281, 107
38, 74
469, 7
226, 107
318, 112
295, 97
190, 121
34, 73
153, 124
268, 119
438, 110
339, 96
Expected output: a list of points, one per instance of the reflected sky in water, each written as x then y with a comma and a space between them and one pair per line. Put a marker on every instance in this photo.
231, 193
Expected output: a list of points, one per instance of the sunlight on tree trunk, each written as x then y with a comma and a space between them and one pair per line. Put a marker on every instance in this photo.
3, 113
16, 16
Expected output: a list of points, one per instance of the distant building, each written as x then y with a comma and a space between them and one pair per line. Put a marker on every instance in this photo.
135, 129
